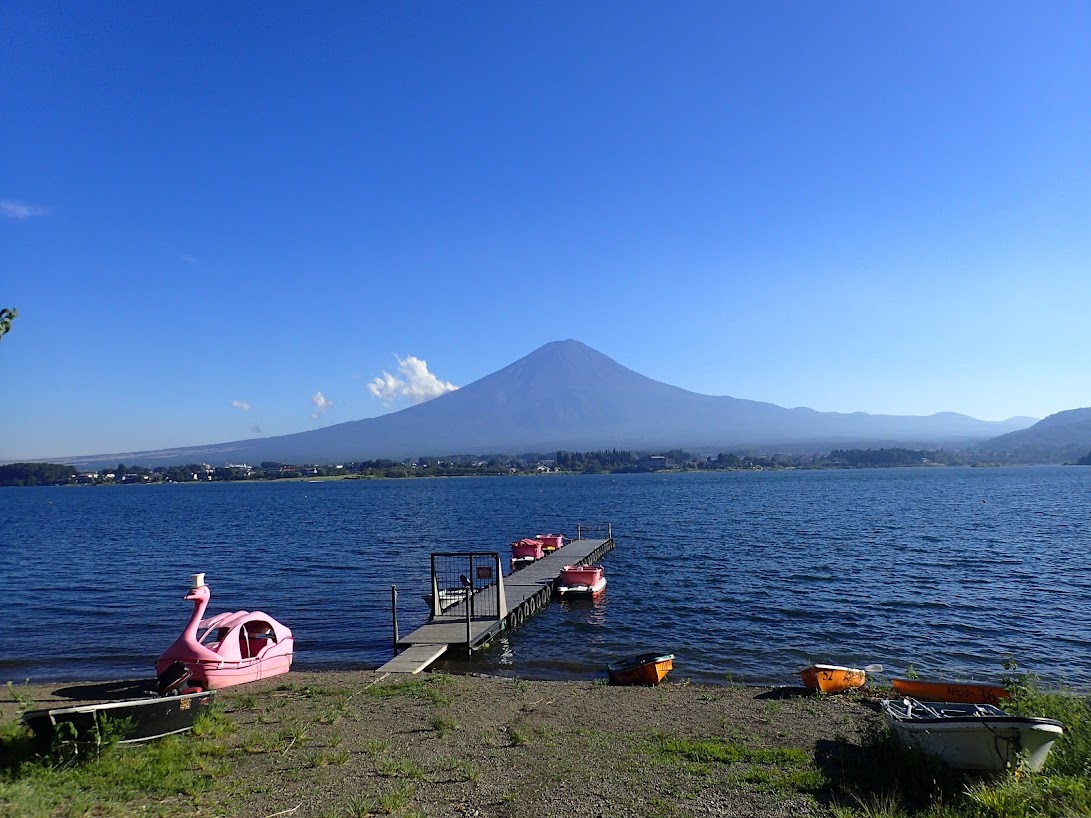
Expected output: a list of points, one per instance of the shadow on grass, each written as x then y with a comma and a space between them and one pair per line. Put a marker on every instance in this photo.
865, 697
98, 691
880, 771
780, 693
17, 748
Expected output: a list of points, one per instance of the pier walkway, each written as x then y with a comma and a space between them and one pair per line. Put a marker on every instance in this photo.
471, 623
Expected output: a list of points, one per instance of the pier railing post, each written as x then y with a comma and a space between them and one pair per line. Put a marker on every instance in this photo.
394, 612
468, 585
501, 594
437, 608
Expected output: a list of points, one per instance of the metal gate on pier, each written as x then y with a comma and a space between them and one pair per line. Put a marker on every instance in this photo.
469, 584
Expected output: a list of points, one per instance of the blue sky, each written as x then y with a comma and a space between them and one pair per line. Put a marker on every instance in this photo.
220, 221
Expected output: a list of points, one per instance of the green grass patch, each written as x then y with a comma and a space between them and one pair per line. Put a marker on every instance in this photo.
111, 778
759, 769
1042, 797
464, 768
245, 701
281, 740
725, 752
518, 736
433, 689
327, 758
396, 798
22, 700
402, 767
375, 747
444, 725
1071, 755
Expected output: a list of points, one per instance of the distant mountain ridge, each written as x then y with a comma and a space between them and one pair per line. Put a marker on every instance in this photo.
566, 395
1064, 436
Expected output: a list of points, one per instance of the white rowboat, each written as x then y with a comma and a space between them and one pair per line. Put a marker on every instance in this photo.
972, 736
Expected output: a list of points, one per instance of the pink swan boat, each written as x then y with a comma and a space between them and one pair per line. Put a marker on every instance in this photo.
236, 647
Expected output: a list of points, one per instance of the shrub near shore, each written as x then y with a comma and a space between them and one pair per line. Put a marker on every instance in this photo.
345, 745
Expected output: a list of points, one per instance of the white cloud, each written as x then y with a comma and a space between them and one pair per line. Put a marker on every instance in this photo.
415, 383
241, 404
21, 210
321, 404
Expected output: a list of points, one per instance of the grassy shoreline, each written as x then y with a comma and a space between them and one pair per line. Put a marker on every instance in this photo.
353, 744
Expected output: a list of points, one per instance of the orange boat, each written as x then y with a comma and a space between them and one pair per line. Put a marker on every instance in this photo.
645, 669
964, 692
833, 678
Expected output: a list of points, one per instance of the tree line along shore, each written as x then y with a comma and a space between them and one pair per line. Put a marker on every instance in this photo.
604, 461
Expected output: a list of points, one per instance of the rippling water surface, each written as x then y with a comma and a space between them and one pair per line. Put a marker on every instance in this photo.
745, 576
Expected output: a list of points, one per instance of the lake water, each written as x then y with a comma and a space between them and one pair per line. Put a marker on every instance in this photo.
744, 575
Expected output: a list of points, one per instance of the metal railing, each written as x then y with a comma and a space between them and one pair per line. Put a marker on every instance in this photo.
604, 531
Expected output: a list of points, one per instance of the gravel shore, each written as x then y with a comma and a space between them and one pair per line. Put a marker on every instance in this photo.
358, 743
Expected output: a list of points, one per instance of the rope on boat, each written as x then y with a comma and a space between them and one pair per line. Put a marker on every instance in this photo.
1011, 751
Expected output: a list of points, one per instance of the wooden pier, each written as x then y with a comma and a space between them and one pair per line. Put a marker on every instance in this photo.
523, 593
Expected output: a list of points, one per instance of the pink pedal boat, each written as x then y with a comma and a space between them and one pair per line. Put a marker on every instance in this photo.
236, 647
525, 551
550, 542
581, 580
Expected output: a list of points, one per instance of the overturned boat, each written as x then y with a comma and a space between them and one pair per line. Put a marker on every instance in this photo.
972, 736
939, 691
